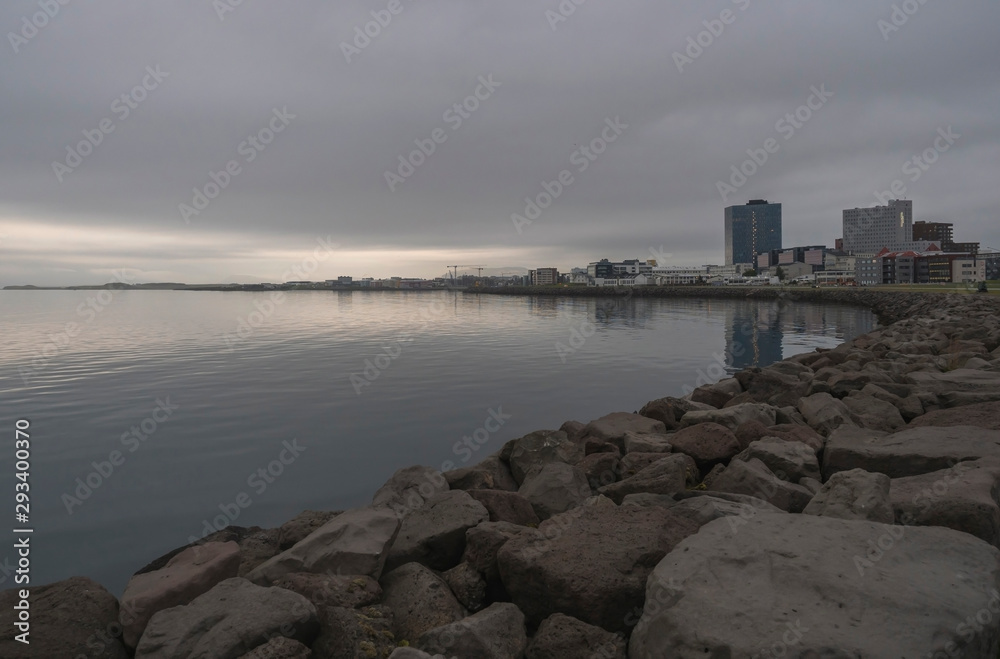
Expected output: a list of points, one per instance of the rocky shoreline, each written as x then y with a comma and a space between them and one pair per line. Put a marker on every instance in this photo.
841, 503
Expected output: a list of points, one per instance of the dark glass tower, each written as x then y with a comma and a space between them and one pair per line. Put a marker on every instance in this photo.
752, 229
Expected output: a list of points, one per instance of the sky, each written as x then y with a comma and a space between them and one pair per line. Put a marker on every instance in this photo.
208, 142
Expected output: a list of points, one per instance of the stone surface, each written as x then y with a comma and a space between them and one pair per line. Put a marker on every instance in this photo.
750, 431
555, 488
672, 473
490, 474
870, 412
484, 542
496, 632
732, 417
669, 410
646, 443
854, 494
299, 527
326, 590
506, 507
799, 586
590, 563
228, 621
420, 600
186, 576
824, 413
959, 380
280, 647
434, 534
600, 469
409, 653
982, 415
408, 488
564, 637
355, 542
350, 633
791, 461
707, 443
537, 449
753, 478
612, 427
71, 618
910, 452
798, 433
633, 463
467, 585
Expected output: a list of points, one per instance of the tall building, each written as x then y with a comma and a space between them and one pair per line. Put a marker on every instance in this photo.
936, 232
869, 230
751, 230
544, 276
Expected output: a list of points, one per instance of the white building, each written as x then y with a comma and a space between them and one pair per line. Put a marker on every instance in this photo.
868, 230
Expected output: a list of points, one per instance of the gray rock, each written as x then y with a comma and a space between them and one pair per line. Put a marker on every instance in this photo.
420, 600
824, 413
854, 494
804, 586
506, 507
350, 633
590, 563
633, 463
791, 461
409, 488
280, 647
484, 542
732, 417
302, 525
601, 469
326, 590
704, 509
911, 452
959, 380
564, 637
646, 443
753, 478
409, 653
706, 443
870, 412
467, 585
669, 411
612, 427
434, 534
811, 484
555, 488
537, 449
76, 617
496, 632
798, 433
982, 415
228, 621
672, 473
490, 474
355, 542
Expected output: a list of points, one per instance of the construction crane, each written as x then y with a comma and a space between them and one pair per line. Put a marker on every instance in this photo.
454, 274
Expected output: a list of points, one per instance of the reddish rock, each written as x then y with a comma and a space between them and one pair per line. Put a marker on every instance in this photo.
707, 443
506, 507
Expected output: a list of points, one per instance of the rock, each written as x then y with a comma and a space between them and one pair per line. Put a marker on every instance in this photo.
797, 433
959, 380
750, 431
870, 412
910, 452
752, 477
194, 571
490, 474
280, 647
982, 415
800, 585
707, 443
299, 527
590, 563
672, 473
633, 463
612, 427
790, 415
646, 443
482, 544
506, 507
76, 617
600, 469
704, 509
228, 621
824, 413
537, 449
592, 446
710, 477
909, 407
256, 547
669, 411
409, 488
420, 601
854, 494
409, 653
731, 417
355, 542
963, 497
434, 534
770, 385
811, 484
496, 632
349, 633
332, 590
789, 461
467, 585
842, 385
573, 429
716, 396
554, 489
564, 637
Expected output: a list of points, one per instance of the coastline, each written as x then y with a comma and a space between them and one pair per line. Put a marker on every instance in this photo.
615, 532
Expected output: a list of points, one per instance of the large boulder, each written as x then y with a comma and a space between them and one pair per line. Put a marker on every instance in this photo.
73, 618
408, 488
732, 417
909, 452
563, 637
332, 590
434, 534
535, 450
612, 427
870, 412
506, 507
420, 600
355, 542
601, 468
590, 563
672, 473
963, 497
467, 585
348, 633
187, 575
805, 586
484, 542
555, 488
824, 413
669, 411
490, 474
280, 647
706, 443
228, 621
753, 478
790, 461
771, 385
496, 632
982, 415
302, 525
854, 494
798, 433
646, 443
960, 380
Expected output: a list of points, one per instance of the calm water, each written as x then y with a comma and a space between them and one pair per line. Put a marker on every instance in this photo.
242, 375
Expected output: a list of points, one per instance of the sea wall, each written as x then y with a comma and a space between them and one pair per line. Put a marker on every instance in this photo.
838, 503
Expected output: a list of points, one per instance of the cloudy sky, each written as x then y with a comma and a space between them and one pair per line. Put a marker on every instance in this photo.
310, 114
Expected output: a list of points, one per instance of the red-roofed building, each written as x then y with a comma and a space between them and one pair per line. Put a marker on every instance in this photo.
932, 266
